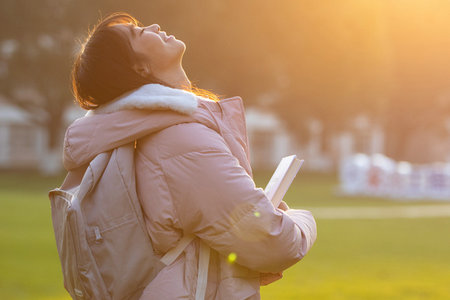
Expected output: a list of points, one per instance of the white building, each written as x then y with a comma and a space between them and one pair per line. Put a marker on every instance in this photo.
270, 141
268, 138
22, 143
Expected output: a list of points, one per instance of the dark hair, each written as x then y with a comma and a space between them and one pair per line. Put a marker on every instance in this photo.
103, 69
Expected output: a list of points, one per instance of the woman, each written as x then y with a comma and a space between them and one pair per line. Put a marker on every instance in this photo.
192, 167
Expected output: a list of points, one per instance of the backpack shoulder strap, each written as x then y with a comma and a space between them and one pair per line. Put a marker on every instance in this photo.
203, 262
173, 253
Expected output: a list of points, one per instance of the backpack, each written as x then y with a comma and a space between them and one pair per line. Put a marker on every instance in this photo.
101, 237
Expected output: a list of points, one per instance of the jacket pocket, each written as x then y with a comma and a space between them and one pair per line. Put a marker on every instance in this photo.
121, 262
74, 282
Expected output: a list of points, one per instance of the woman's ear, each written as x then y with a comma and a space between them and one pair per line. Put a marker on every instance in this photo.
142, 69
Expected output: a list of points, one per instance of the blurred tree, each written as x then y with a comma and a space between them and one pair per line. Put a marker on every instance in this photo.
338, 63
37, 39
420, 101
327, 60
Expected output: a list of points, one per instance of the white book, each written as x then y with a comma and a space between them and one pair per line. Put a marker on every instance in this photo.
282, 178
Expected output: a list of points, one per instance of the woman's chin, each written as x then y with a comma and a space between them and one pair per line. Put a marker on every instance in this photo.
180, 42
182, 46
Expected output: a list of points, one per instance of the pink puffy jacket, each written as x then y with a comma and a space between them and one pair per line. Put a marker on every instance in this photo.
193, 177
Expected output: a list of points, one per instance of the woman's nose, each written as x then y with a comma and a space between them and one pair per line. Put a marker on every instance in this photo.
155, 27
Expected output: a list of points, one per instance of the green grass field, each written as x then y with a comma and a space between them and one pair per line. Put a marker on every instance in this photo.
352, 259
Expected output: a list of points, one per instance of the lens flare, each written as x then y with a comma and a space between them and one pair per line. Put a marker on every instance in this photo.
232, 257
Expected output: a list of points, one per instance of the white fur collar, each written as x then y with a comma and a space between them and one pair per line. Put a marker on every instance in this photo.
152, 96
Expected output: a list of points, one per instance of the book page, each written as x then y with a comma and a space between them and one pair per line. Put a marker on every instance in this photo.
282, 178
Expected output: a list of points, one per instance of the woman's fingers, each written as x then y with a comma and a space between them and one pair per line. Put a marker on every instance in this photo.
283, 206
268, 278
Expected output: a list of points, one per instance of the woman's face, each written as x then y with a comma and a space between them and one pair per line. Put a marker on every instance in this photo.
154, 49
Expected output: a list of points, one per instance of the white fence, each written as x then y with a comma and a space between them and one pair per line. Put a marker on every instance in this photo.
379, 175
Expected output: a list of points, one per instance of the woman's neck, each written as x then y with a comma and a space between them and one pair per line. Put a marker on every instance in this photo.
176, 78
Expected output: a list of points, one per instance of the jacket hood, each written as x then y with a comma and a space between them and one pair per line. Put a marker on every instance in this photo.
146, 110
152, 96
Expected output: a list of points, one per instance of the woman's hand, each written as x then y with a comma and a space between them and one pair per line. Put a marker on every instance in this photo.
283, 206
268, 278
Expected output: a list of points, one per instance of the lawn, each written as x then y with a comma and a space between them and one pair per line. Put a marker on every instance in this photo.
352, 259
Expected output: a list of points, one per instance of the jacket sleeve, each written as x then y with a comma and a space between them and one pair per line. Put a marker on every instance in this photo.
217, 200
